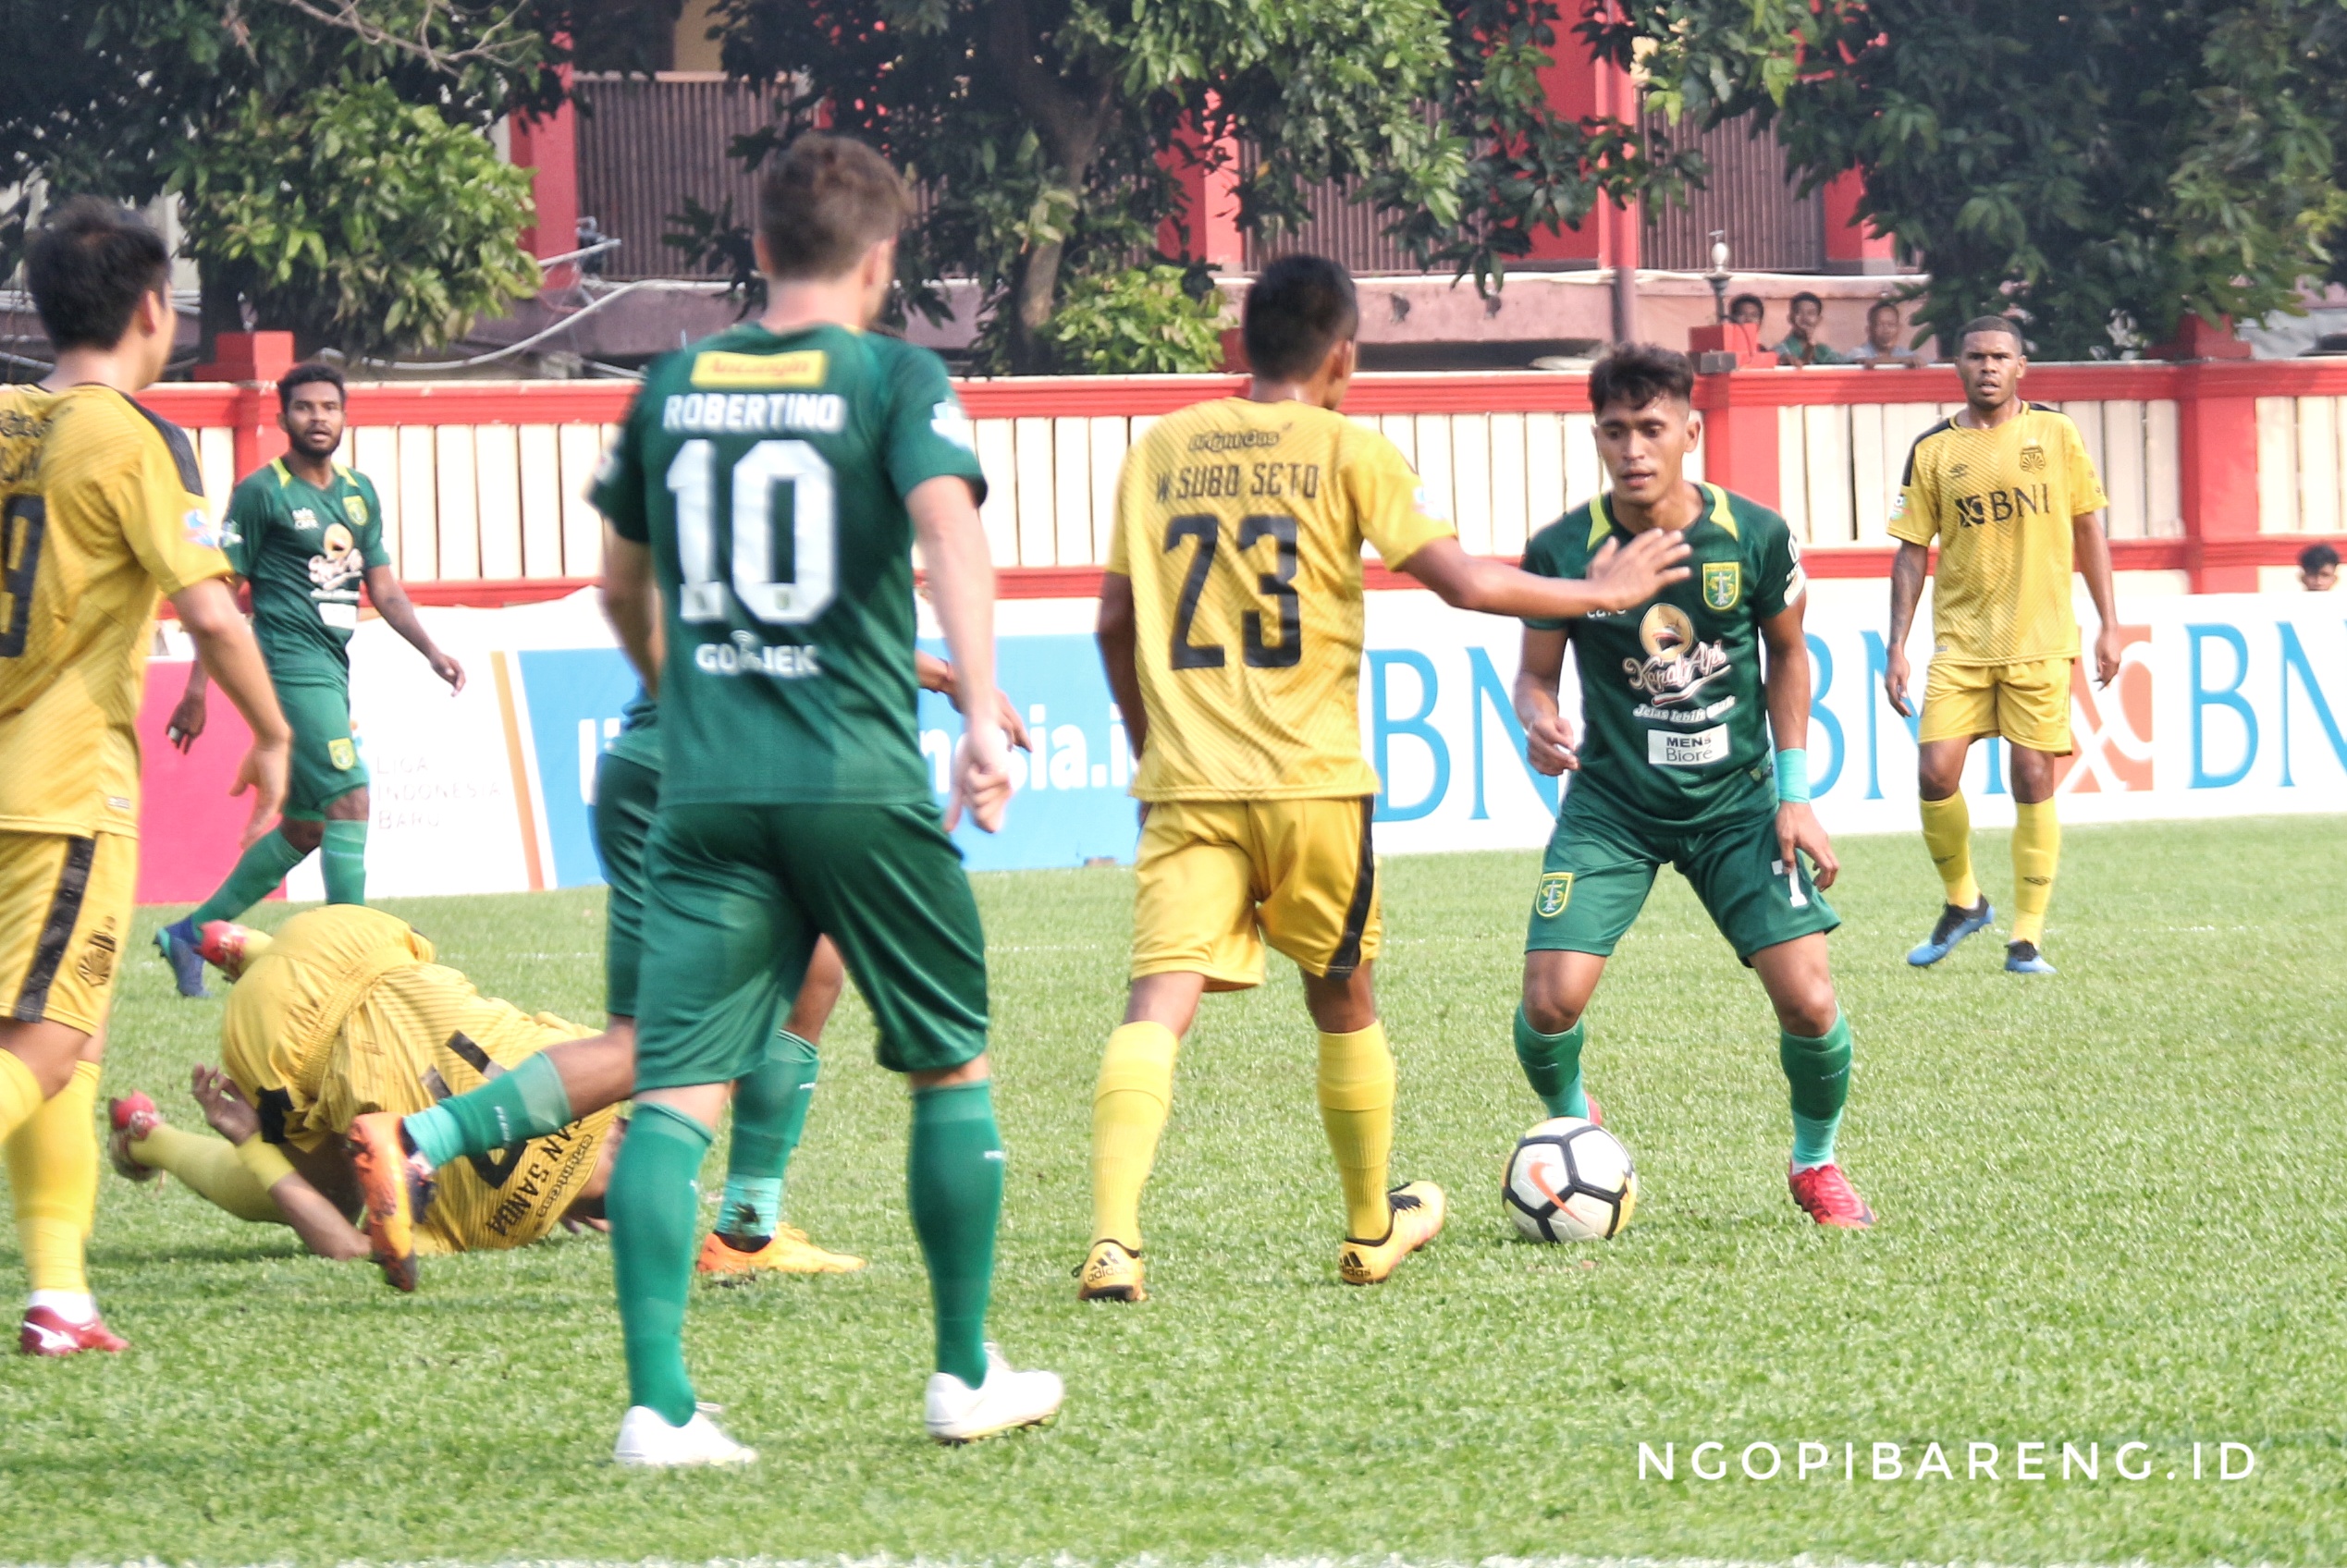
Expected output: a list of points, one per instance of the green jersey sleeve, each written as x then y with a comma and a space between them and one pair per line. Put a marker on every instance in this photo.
1545, 556
1778, 578
928, 435
247, 525
371, 548
617, 490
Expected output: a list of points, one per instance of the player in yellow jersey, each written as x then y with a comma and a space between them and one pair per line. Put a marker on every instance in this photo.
346, 1013
2006, 489
101, 509
1231, 625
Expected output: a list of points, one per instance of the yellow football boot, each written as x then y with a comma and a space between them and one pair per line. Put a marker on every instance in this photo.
786, 1252
1110, 1273
1419, 1211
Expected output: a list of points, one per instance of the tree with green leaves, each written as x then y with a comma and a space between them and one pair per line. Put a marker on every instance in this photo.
2102, 167
331, 158
1048, 135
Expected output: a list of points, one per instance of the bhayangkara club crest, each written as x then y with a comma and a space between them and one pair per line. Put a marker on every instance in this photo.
1723, 584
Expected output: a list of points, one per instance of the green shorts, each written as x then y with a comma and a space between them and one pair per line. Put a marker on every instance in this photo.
734, 898
1602, 859
325, 759
627, 795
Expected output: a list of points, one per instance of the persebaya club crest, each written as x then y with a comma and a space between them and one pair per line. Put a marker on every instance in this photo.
1723, 584
1555, 892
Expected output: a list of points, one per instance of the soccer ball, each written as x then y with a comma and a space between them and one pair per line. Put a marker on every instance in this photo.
1570, 1181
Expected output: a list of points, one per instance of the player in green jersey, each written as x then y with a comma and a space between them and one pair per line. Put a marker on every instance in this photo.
1682, 698
305, 531
773, 482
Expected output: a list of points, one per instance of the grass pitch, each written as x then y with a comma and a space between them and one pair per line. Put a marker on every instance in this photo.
2112, 1213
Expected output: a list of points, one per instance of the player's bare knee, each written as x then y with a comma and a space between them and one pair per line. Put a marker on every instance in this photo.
1341, 1004
49, 1050
2032, 776
303, 836
977, 1070
1808, 1011
352, 807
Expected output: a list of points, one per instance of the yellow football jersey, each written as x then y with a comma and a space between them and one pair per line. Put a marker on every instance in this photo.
1240, 525
345, 1013
100, 507
2000, 503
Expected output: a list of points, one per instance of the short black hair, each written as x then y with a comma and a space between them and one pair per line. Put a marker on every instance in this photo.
1804, 294
1878, 307
89, 263
2005, 324
825, 201
1637, 374
1299, 307
302, 374
1741, 301
2318, 557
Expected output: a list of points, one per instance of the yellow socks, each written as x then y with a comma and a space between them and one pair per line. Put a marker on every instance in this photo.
53, 1168
2037, 849
1130, 1102
1947, 834
1356, 1106
212, 1170
19, 1094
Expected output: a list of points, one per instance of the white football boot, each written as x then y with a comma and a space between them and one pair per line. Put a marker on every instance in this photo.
647, 1441
960, 1414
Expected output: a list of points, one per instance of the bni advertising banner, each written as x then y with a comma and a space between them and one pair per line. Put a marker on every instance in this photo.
2225, 705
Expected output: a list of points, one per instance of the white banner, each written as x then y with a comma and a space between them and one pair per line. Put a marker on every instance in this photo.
2225, 705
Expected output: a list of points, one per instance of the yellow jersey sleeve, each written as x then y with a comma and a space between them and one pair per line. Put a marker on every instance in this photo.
1914, 517
1387, 499
1119, 561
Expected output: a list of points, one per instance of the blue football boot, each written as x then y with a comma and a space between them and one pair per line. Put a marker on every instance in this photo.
2023, 958
1953, 926
178, 943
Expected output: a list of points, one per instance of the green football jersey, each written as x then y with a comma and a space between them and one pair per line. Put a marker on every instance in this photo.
767, 473
639, 737
1674, 717
305, 551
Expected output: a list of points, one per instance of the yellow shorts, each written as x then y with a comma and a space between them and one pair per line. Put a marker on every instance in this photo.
64, 917
1217, 879
2027, 703
421, 1034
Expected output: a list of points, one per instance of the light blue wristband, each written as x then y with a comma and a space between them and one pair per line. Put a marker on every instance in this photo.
1792, 775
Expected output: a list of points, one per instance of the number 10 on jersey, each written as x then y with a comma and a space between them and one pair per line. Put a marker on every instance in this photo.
793, 466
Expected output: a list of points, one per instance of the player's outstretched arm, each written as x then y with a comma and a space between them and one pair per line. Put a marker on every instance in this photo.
630, 605
960, 571
1115, 633
391, 602
1548, 737
1619, 577
226, 649
934, 674
1908, 569
311, 1214
1786, 683
2092, 551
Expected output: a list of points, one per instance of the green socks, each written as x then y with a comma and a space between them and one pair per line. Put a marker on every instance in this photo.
1818, 1071
343, 858
770, 1113
1553, 1065
527, 1102
953, 1179
256, 876
654, 1210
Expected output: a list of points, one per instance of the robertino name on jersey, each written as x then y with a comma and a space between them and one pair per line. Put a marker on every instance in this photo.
1240, 525
101, 509
767, 473
305, 550
2000, 503
1674, 711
